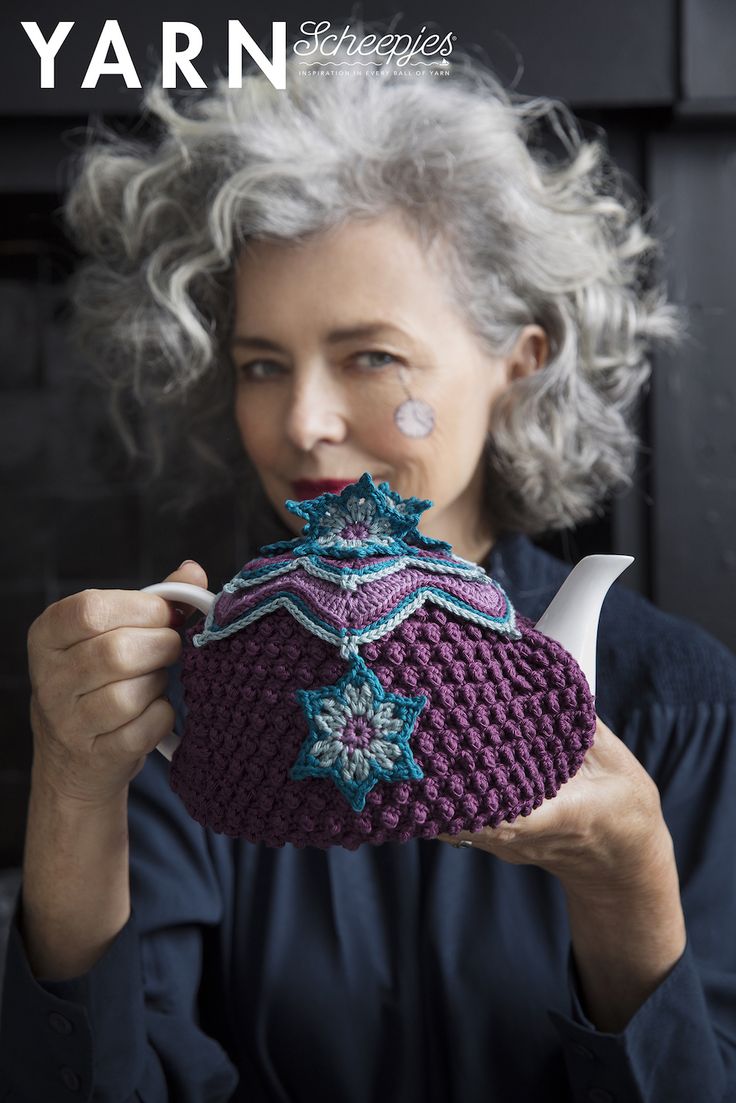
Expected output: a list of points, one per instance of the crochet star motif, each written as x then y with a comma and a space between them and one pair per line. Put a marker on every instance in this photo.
363, 519
358, 734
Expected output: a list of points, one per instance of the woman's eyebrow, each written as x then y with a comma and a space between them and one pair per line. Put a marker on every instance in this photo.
362, 330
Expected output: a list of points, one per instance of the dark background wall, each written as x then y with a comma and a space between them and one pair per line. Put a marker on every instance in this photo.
659, 77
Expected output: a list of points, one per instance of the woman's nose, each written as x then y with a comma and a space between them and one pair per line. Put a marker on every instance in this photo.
317, 410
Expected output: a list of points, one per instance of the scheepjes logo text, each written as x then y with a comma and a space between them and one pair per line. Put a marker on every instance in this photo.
314, 50
320, 44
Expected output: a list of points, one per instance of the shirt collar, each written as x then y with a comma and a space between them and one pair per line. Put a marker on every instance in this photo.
529, 574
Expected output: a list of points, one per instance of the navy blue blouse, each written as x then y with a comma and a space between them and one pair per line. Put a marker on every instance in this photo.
412, 972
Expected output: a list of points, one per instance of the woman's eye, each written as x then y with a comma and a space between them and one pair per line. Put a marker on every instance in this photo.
386, 356
259, 370
250, 372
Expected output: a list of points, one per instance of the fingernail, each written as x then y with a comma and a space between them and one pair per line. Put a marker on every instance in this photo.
184, 564
178, 616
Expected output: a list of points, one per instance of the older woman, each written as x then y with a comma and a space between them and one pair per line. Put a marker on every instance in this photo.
386, 276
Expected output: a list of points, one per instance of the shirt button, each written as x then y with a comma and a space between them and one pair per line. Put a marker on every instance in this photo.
599, 1095
582, 1051
69, 1078
59, 1023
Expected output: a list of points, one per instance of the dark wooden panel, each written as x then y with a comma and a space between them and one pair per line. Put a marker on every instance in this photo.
693, 183
708, 49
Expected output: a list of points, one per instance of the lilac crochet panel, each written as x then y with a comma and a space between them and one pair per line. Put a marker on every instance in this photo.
364, 604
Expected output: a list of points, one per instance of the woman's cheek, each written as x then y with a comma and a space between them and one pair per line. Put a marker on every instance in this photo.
255, 425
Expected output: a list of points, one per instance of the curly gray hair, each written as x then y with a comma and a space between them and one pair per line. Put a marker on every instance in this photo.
530, 238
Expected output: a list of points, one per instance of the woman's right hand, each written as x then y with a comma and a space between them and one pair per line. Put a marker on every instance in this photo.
97, 661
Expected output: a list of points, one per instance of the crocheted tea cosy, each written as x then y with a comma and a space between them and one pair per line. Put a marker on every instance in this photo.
363, 684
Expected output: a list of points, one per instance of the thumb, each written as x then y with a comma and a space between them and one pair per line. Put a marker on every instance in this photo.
192, 572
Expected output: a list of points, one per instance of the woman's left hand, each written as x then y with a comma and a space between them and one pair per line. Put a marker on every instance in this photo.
603, 827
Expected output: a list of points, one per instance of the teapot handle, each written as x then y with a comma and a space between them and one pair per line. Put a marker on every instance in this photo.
191, 595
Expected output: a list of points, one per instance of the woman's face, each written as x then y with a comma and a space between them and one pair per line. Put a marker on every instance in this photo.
315, 400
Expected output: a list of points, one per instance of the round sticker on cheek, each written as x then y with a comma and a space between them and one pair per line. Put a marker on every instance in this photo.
415, 418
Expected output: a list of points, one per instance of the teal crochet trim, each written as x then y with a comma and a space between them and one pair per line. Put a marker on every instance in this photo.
362, 520
349, 637
358, 734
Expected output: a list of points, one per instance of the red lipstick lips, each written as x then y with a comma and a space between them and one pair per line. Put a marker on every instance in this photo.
311, 488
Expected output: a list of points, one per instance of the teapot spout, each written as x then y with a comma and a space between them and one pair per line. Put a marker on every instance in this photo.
572, 616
